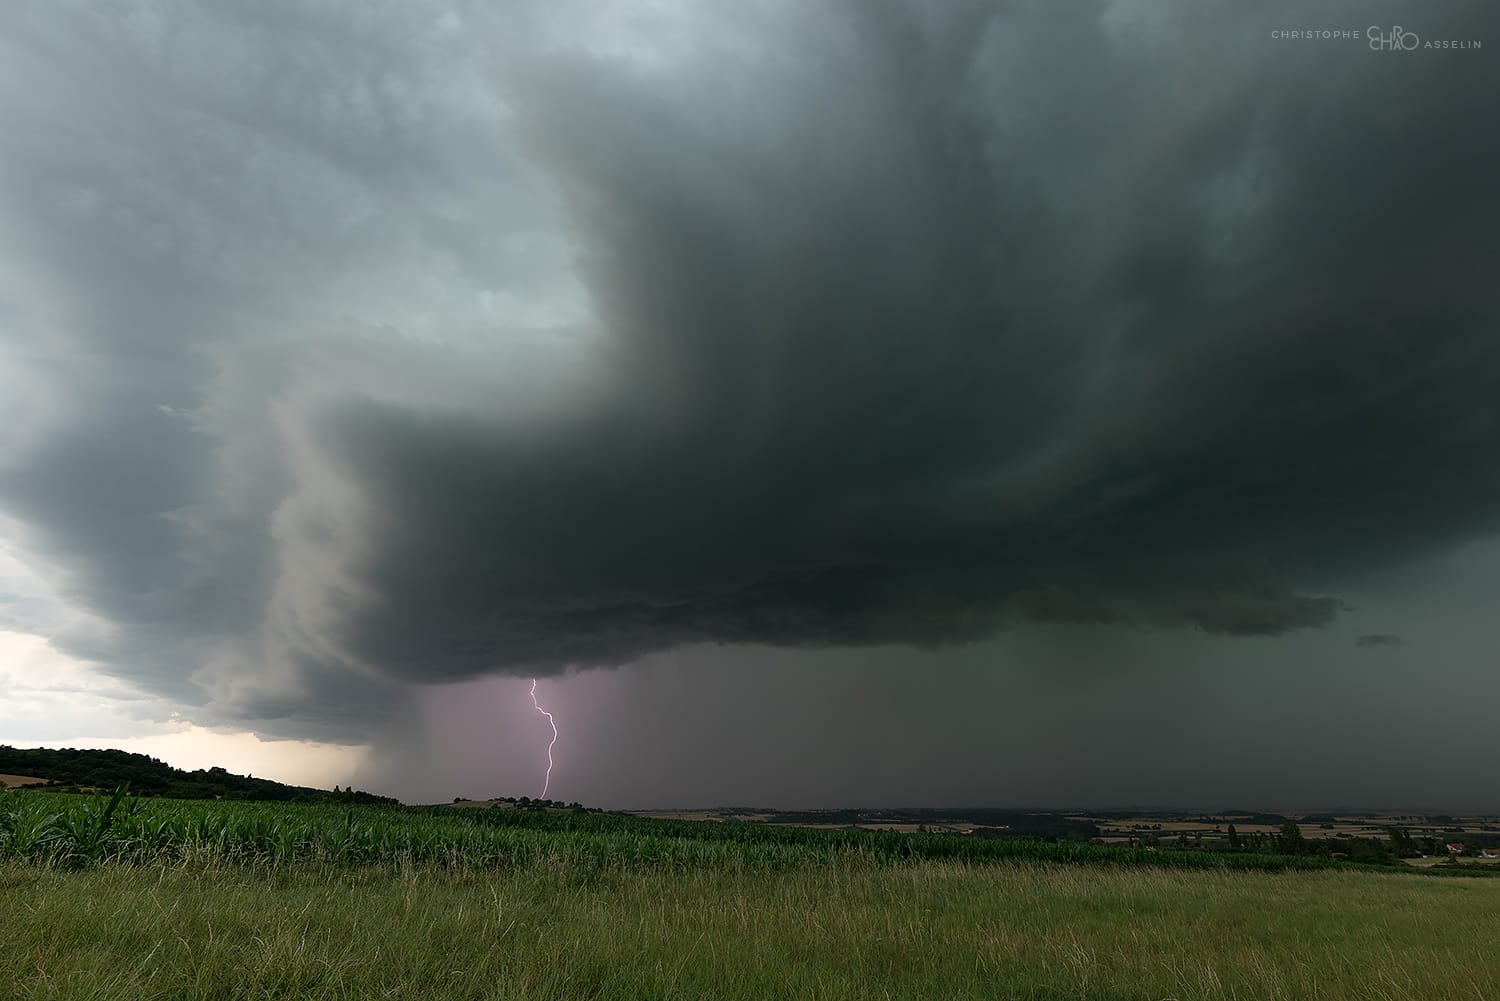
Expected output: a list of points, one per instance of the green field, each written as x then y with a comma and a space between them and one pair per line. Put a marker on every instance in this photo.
168, 899
72, 830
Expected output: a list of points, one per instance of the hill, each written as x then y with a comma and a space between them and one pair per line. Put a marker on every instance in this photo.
70, 767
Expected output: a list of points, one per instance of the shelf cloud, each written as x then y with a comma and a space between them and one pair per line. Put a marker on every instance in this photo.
345, 351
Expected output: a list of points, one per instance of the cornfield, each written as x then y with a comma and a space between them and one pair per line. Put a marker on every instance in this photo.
74, 830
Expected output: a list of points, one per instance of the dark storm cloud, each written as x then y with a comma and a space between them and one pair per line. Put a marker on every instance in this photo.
880, 383
875, 325
1375, 641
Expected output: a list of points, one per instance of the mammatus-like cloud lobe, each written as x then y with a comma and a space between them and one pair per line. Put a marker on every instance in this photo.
479, 343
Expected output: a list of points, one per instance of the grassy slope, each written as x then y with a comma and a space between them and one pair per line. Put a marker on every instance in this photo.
107, 768
927, 930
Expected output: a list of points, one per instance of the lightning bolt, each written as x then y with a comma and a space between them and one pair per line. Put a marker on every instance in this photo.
553, 723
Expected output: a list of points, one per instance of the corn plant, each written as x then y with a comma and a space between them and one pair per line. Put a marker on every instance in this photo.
70, 829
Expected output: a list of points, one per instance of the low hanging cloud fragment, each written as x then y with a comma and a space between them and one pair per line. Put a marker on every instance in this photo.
1379, 641
475, 342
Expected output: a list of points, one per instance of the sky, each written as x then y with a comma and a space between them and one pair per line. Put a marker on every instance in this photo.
862, 402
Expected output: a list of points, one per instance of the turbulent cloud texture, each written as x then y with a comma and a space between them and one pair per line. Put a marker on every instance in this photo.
347, 345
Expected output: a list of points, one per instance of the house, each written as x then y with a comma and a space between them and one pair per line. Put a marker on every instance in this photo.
1489, 853
1456, 848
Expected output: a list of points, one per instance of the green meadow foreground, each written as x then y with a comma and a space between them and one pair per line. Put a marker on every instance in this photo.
588, 906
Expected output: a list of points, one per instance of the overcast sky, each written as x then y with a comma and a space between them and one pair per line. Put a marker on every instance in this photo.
856, 401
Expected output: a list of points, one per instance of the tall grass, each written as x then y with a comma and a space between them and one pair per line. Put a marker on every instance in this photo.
930, 930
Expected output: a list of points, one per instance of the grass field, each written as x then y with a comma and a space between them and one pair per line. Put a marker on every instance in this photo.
825, 917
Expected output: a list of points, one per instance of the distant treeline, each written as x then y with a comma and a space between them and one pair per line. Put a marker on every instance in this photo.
998, 823
1240, 816
70, 768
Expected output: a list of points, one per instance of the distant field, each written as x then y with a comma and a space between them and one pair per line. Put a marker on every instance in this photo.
129, 899
1345, 825
1333, 833
1439, 860
17, 781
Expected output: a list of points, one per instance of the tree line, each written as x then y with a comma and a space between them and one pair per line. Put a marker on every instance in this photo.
72, 769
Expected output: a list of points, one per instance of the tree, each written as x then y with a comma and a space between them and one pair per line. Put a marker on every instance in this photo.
1289, 840
1234, 839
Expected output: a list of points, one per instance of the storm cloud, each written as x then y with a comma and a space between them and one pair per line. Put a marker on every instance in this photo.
1375, 641
345, 350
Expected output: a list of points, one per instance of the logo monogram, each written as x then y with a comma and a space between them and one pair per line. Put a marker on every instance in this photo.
1398, 39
